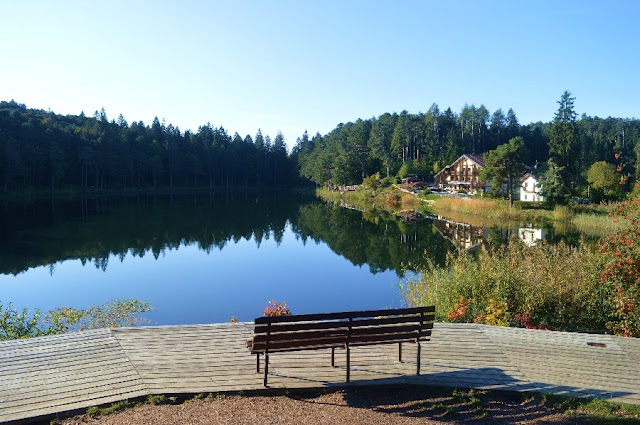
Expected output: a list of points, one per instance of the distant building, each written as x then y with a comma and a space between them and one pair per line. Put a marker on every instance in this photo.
462, 175
530, 189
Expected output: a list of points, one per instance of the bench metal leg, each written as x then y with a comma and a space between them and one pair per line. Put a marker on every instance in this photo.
400, 352
348, 364
266, 367
418, 361
333, 362
258, 363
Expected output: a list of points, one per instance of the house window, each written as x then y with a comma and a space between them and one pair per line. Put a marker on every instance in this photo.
525, 197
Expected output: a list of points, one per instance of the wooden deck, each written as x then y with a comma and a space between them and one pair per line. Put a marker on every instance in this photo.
53, 374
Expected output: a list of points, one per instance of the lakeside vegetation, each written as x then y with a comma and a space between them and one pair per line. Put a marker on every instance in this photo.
546, 286
19, 324
379, 198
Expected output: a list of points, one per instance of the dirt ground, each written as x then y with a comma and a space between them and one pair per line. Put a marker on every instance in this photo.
388, 405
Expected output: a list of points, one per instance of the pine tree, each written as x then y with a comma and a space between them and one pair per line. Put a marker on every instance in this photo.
564, 141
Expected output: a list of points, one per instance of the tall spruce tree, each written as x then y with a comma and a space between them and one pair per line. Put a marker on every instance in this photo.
564, 141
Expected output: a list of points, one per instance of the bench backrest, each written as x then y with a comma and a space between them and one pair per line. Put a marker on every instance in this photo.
309, 331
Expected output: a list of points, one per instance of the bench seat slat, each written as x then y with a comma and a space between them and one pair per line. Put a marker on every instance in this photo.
301, 336
310, 347
301, 344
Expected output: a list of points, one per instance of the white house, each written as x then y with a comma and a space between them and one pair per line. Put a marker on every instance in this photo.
530, 189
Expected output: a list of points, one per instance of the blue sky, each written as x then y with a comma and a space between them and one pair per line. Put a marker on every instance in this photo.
296, 65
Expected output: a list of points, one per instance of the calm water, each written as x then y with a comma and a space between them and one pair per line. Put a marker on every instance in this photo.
203, 259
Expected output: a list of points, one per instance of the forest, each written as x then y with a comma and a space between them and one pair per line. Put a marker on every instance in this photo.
43, 150
422, 144
40, 149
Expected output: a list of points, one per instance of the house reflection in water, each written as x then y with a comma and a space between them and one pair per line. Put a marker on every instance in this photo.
531, 236
464, 236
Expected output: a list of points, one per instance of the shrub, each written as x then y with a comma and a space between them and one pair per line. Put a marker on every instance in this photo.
111, 314
16, 324
555, 286
620, 269
394, 200
372, 182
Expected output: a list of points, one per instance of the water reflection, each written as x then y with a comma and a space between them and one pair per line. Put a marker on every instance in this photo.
97, 230
531, 236
465, 236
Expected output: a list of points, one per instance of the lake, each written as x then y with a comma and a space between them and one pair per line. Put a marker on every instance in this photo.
205, 258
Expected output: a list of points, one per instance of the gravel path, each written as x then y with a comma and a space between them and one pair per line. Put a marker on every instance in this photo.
408, 405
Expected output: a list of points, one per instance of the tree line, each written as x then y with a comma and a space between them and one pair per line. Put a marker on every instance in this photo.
422, 144
41, 149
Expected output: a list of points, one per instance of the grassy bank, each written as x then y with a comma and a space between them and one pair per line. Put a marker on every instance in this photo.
547, 286
590, 219
381, 201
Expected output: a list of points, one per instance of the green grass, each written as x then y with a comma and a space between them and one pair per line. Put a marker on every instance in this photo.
95, 411
600, 411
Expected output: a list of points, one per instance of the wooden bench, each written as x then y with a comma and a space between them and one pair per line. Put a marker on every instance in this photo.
340, 330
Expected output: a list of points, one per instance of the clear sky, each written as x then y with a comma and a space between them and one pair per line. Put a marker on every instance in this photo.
296, 65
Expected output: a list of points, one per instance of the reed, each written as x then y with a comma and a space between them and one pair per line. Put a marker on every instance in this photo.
547, 286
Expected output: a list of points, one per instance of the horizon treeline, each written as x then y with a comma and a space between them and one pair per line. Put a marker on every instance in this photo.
41, 149
424, 143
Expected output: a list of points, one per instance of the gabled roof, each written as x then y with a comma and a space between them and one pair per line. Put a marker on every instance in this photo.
478, 159
526, 176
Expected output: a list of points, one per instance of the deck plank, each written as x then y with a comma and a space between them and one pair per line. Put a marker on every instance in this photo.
52, 374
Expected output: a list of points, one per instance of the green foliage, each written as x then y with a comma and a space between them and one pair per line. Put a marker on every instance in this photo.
564, 142
111, 314
504, 166
19, 324
604, 177
554, 184
553, 286
620, 270
157, 400
42, 150
16, 324
372, 182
